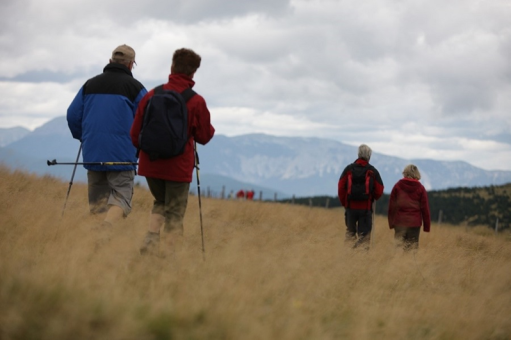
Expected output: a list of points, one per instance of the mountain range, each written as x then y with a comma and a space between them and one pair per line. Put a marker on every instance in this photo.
274, 167
8, 136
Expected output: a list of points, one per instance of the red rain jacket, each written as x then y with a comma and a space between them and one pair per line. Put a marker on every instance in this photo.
408, 205
179, 168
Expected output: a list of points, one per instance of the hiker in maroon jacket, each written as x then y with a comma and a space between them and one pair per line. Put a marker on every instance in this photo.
169, 179
409, 208
250, 195
240, 194
359, 186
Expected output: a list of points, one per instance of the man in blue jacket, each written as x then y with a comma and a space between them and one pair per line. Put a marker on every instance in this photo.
100, 117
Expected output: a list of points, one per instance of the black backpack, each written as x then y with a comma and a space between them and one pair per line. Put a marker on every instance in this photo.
164, 131
360, 183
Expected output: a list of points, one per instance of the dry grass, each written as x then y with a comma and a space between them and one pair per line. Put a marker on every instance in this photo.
272, 271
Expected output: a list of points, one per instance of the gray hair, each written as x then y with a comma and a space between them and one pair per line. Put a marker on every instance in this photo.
364, 152
411, 171
122, 61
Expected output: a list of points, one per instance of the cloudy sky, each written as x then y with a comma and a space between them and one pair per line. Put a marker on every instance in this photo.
413, 79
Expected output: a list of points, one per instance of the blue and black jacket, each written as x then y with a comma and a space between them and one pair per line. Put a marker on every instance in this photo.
101, 116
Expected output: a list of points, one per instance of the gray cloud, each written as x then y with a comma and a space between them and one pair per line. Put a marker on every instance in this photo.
386, 72
42, 75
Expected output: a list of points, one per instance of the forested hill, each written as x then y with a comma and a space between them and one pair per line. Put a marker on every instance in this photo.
460, 206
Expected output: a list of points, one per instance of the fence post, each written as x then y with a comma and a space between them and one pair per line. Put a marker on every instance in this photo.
497, 226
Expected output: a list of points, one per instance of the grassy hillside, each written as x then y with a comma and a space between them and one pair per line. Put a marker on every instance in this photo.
272, 271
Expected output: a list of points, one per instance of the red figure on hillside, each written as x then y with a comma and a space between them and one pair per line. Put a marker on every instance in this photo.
240, 194
250, 195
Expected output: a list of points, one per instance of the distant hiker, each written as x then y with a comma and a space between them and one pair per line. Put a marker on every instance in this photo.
250, 195
409, 209
359, 186
240, 194
169, 178
100, 117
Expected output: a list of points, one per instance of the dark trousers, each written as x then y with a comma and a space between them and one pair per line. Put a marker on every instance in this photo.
359, 224
407, 237
170, 200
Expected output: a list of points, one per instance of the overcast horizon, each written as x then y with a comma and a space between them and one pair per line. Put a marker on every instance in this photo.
412, 79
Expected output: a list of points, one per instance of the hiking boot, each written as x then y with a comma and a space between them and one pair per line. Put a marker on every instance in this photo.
150, 243
362, 243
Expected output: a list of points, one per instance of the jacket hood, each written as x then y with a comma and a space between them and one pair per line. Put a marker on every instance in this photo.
409, 184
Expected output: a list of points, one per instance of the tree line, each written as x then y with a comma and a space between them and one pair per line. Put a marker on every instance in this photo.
486, 206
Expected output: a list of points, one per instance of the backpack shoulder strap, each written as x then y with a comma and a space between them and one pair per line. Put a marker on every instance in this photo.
349, 175
188, 93
158, 89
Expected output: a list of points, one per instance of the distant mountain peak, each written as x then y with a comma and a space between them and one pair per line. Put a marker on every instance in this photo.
56, 126
10, 135
301, 166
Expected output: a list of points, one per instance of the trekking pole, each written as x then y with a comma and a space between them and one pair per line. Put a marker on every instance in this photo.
198, 192
72, 177
54, 162
372, 222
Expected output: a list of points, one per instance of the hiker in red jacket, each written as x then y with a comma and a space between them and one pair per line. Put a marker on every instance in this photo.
169, 179
409, 209
359, 186
250, 195
240, 194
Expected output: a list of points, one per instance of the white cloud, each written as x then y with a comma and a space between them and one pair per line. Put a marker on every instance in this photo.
233, 121
33, 104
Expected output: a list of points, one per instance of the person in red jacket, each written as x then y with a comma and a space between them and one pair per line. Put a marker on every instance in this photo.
359, 186
240, 194
409, 209
169, 179
250, 195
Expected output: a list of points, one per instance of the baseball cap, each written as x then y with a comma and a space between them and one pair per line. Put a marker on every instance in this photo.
124, 52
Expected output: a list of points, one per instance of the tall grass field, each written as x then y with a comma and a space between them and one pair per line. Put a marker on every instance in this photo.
269, 271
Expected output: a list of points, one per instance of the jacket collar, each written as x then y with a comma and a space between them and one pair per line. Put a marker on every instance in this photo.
114, 67
181, 78
362, 162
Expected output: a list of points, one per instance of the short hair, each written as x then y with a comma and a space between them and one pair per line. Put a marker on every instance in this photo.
185, 61
411, 171
364, 152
